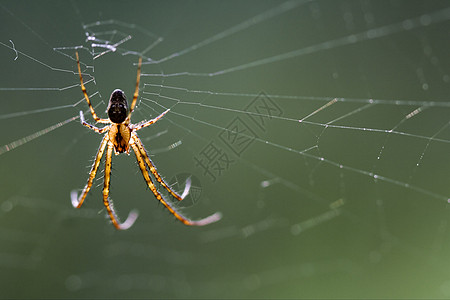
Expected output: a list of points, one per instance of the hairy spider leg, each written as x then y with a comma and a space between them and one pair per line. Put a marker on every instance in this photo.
141, 157
78, 202
141, 162
152, 167
112, 214
136, 91
83, 88
147, 123
96, 129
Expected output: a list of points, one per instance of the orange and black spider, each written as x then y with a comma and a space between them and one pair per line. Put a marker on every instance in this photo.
120, 135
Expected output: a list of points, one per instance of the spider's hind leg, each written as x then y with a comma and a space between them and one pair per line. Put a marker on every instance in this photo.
83, 89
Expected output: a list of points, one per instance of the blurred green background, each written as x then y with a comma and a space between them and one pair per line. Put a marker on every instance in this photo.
349, 203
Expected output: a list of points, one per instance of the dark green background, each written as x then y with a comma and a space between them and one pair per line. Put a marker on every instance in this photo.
388, 238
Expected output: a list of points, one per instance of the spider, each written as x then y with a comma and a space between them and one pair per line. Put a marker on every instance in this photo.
120, 135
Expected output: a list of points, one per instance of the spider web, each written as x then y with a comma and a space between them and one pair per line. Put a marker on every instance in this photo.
318, 128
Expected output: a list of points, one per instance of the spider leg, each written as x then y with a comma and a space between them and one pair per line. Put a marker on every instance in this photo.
211, 219
136, 90
112, 214
145, 124
96, 129
78, 201
83, 88
152, 167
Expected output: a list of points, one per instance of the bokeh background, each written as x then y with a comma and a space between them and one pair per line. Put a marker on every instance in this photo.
320, 198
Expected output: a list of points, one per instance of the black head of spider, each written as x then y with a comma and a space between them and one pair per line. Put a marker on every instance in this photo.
117, 107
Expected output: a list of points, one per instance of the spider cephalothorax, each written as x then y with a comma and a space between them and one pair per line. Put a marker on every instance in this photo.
120, 135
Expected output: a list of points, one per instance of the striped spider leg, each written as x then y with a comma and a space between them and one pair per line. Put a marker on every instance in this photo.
120, 135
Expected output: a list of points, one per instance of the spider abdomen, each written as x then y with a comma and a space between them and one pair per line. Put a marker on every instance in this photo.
117, 107
119, 135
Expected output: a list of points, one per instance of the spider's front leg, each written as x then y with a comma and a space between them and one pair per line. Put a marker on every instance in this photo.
135, 139
77, 202
141, 162
112, 214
